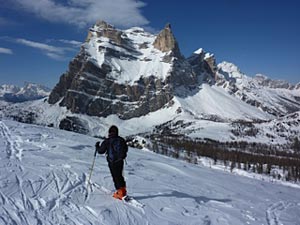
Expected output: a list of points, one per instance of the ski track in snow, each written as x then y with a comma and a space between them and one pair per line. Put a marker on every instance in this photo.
12, 147
274, 210
43, 177
56, 197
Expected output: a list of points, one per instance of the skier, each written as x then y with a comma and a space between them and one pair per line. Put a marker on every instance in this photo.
116, 149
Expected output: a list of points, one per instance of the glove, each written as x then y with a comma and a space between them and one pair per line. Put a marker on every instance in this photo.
96, 147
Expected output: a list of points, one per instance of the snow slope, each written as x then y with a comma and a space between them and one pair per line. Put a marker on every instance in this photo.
214, 100
43, 173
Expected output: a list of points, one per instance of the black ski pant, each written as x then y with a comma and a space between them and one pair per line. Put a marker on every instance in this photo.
116, 170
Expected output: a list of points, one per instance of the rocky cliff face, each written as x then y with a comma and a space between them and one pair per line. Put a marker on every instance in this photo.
166, 42
124, 72
204, 65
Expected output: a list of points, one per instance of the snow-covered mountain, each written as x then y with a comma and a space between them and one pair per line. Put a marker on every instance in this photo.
4, 89
272, 96
28, 92
44, 171
141, 82
129, 73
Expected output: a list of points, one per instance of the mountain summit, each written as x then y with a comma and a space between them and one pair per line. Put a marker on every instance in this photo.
125, 72
166, 42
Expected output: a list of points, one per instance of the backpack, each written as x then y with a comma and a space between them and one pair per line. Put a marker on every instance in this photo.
116, 149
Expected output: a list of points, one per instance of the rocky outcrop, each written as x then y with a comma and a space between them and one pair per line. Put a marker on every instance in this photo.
204, 65
111, 98
108, 31
66, 79
166, 42
211, 62
105, 30
72, 123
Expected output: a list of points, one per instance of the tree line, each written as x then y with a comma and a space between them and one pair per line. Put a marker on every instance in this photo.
252, 157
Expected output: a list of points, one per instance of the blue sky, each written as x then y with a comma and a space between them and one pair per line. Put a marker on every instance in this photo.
39, 38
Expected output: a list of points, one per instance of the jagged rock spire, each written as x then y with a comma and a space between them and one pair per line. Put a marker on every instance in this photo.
166, 41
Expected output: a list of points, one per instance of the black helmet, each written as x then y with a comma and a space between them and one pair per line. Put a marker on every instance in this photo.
113, 131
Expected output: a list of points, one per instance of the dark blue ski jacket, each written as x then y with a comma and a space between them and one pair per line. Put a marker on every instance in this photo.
114, 147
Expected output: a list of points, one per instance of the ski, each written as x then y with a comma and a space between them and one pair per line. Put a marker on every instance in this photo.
133, 202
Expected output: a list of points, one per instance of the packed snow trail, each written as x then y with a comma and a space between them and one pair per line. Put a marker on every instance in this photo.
43, 175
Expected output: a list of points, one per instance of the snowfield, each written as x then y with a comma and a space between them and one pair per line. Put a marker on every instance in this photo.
214, 100
43, 175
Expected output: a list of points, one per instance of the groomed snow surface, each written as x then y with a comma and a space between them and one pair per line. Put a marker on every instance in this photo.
43, 176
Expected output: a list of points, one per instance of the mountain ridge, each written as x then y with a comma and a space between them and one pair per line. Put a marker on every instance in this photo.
120, 77
30, 91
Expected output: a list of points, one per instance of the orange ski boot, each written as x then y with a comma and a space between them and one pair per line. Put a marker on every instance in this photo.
120, 193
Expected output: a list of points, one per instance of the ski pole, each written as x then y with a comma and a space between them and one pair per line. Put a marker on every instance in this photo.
91, 170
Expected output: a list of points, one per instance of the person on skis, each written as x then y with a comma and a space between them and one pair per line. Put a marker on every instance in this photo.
116, 149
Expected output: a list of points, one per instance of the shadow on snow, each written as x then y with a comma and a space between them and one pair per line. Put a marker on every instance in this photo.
177, 194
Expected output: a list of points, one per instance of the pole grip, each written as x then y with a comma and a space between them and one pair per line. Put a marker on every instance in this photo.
95, 153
